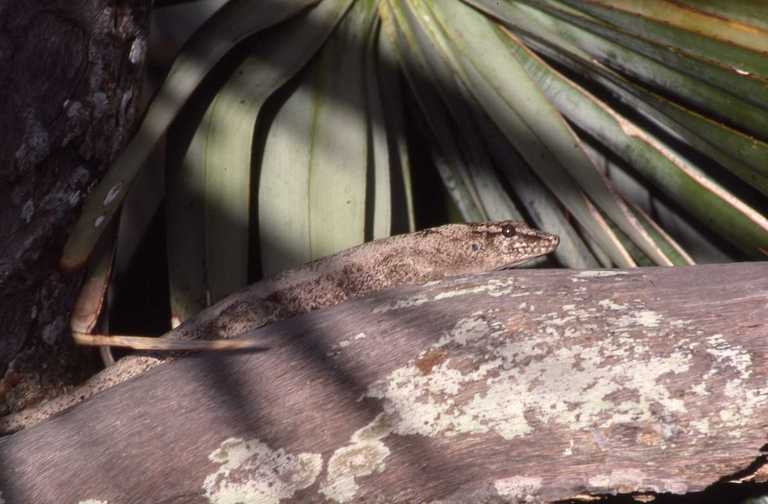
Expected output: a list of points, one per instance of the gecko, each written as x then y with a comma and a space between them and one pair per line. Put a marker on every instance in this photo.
407, 259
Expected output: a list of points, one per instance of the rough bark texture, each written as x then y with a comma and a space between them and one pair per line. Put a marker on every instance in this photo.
515, 386
71, 72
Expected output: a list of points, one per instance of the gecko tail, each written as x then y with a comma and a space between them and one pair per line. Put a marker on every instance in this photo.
163, 344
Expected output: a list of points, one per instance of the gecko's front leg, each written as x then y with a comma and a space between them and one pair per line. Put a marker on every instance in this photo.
243, 316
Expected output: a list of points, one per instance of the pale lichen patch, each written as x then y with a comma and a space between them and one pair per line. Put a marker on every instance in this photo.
642, 318
253, 472
743, 400
100, 104
571, 386
27, 211
611, 305
425, 404
561, 321
362, 457
138, 50
51, 332
618, 479
520, 488
580, 276
490, 382
727, 355
702, 426
632, 480
494, 287
345, 343
125, 101
674, 486
35, 145
86, 501
700, 389
590, 367
399, 304
113, 193
74, 198
469, 330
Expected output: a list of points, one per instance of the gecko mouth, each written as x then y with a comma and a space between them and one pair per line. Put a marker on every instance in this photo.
528, 261
540, 245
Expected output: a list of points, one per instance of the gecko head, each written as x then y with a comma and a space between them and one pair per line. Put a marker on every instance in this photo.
489, 246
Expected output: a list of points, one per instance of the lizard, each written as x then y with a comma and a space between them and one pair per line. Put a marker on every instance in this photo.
406, 259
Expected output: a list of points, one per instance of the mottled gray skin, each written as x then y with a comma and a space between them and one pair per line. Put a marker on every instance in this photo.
432, 254
453, 249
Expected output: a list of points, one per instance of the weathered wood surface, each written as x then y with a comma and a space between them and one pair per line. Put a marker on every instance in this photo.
517, 386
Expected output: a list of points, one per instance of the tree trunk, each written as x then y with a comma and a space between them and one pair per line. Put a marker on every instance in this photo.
515, 386
70, 80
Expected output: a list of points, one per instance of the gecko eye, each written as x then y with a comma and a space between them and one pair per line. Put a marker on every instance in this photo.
475, 247
508, 230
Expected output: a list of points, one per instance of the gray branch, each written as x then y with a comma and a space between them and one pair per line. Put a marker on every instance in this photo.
515, 386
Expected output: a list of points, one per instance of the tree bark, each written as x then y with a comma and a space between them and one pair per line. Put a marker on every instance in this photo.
515, 386
70, 83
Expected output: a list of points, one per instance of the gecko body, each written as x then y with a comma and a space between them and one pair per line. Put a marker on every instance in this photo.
431, 254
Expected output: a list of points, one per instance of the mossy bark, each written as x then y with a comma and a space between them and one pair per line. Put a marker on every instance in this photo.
69, 88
